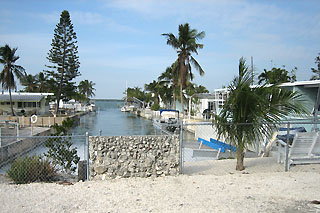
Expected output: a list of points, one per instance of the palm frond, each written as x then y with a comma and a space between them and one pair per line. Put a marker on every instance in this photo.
197, 66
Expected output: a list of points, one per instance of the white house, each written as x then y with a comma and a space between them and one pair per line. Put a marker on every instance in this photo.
25, 103
210, 102
310, 91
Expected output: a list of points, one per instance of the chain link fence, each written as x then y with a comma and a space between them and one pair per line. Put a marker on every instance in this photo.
199, 142
44, 158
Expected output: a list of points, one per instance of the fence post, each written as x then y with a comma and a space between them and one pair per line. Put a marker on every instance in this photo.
287, 148
17, 126
88, 158
180, 147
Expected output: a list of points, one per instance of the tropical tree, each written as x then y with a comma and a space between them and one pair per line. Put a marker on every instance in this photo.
86, 89
30, 83
42, 81
193, 89
137, 92
277, 75
316, 72
10, 69
170, 78
252, 112
185, 44
153, 87
64, 59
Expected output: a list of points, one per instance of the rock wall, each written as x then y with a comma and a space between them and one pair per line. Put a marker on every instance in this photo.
133, 156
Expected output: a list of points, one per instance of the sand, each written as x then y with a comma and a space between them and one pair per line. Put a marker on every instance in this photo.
208, 186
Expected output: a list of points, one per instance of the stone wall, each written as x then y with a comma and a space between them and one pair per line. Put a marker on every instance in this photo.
133, 156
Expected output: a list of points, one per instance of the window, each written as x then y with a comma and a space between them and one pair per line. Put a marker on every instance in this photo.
19, 104
210, 106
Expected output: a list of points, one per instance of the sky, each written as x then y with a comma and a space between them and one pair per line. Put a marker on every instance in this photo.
120, 41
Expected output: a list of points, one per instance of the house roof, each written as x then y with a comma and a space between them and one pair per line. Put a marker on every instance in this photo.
313, 83
32, 97
205, 95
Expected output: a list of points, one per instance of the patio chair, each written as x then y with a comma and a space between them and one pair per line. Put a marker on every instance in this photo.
305, 148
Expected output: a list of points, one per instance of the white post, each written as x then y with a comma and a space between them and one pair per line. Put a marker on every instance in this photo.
17, 126
189, 114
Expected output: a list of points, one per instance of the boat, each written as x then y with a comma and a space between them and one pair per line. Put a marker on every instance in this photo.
125, 109
168, 124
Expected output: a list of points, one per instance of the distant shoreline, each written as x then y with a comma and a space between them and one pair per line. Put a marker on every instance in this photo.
106, 99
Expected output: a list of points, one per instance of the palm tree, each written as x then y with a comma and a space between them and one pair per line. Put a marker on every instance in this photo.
276, 75
86, 88
30, 83
171, 78
42, 82
253, 112
186, 44
165, 93
153, 87
10, 69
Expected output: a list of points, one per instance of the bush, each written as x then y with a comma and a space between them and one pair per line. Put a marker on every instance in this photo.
31, 169
155, 107
60, 151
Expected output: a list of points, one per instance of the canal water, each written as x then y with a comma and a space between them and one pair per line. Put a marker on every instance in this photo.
112, 122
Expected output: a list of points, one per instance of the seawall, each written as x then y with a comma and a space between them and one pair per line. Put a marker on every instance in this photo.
134, 156
21, 145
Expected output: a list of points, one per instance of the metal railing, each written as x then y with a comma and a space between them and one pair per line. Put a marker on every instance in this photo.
206, 131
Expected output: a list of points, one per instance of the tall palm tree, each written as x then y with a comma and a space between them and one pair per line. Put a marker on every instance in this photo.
253, 112
10, 69
186, 44
86, 88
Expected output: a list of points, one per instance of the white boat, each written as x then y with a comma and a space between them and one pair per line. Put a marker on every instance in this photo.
168, 125
125, 109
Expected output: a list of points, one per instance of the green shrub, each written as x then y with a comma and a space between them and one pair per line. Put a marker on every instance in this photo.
60, 151
155, 107
31, 169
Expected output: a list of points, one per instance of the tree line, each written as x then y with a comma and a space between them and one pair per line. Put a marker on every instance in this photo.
175, 82
59, 76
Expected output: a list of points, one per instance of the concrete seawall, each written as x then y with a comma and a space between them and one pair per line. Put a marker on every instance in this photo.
21, 145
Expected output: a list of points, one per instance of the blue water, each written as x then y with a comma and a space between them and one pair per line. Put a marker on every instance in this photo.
112, 122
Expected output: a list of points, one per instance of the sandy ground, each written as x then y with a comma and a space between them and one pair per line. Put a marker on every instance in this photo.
208, 186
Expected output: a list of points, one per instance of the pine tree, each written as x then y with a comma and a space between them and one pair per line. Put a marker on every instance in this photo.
64, 59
